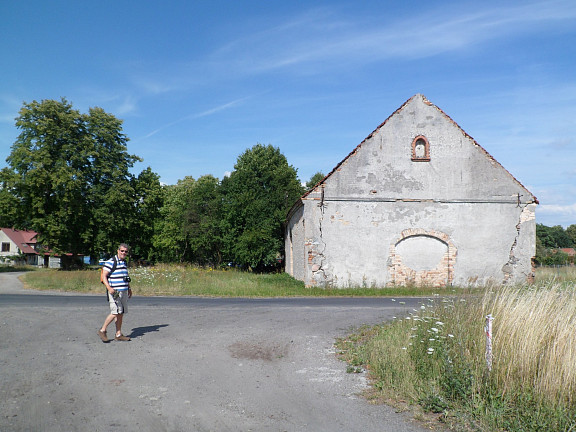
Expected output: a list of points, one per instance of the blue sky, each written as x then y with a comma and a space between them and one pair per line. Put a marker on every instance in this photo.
199, 82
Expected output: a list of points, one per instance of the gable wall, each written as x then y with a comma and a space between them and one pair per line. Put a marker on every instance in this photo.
458, 167
13, 247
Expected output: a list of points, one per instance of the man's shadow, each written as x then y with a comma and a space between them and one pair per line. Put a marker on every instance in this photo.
141, 331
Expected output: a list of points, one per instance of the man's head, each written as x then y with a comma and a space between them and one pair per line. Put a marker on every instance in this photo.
123, 250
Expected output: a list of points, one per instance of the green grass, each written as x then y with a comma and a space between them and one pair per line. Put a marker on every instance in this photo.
12, 269
182, 280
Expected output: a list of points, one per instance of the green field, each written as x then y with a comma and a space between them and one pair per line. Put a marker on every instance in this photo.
186, 280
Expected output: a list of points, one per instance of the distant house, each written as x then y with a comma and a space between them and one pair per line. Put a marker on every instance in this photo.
417, 202
21, 247
568, 251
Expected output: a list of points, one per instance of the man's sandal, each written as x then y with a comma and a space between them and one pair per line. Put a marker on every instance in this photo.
122, 338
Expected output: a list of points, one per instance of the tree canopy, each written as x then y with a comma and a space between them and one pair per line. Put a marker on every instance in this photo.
69, 172
188, 229
314, 180
257, 196
554, 237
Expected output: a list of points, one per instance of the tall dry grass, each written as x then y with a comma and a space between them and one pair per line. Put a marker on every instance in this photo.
564, 275
534, 340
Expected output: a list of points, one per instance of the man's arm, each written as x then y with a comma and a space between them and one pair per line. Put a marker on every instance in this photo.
106, 274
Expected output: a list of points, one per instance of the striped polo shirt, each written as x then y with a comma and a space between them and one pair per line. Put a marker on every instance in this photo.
116, 278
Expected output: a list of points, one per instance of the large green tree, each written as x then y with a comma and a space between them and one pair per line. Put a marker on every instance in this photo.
201, 222
70, 174
188, 229
257, 195
149, 198
171, 242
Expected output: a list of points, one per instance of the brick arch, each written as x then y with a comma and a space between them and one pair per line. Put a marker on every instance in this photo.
441, 275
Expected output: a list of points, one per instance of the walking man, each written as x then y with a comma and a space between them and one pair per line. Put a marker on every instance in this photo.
115, 278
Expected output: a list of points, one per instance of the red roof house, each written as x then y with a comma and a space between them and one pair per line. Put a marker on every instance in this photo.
21, 247
15, 242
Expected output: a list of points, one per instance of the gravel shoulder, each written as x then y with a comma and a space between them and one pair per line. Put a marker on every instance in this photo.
192, 365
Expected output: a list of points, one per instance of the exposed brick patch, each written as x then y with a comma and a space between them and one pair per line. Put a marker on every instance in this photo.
441, 275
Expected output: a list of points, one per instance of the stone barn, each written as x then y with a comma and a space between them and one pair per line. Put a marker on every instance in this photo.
417, 202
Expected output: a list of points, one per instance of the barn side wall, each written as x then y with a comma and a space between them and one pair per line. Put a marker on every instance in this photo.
358, 245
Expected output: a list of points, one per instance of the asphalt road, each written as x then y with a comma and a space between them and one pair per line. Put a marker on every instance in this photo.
193, 364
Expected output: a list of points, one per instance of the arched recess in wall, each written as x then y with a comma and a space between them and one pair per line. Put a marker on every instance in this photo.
420, 149
422, 257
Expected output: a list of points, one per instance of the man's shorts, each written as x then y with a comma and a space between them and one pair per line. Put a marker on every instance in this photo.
120, 305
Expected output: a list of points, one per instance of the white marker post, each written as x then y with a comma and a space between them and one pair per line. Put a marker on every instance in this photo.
488, 330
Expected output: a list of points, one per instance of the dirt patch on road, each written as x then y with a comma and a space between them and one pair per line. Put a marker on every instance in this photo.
258, 351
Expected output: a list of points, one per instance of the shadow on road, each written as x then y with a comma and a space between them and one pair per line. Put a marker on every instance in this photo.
141, 331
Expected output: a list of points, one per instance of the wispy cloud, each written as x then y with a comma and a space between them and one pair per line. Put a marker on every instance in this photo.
307, 39
205, 113
128, 105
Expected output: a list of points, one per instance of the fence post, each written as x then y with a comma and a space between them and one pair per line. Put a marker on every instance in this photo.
488, 330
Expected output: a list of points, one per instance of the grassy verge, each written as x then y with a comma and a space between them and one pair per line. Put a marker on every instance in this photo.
175, 280
434, 359
11, 269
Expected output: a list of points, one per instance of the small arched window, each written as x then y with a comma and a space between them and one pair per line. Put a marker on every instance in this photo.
420, 149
